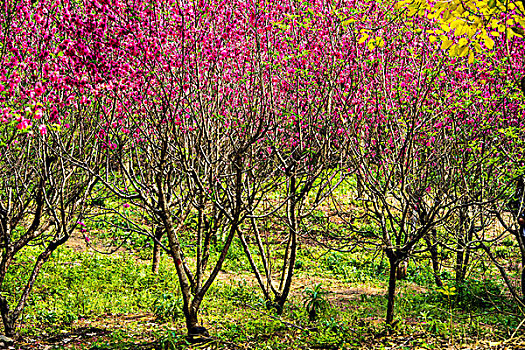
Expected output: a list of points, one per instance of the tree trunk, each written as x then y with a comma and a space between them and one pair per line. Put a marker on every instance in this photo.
402, 268
291, 249
394, 263
156, 250
466, 258
7, 319
9, 328
460, 254
504, 275
434, 257
523, 277
265, 289
520, 237
192, 319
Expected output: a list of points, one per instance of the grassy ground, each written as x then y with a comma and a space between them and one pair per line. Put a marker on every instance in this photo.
89, 300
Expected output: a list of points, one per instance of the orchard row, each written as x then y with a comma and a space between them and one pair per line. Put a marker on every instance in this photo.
211, 108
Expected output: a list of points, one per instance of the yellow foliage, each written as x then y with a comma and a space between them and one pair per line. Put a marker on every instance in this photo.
462, 51
489, 43
462, 42
469, 21
471, 57
446, 44
363, 38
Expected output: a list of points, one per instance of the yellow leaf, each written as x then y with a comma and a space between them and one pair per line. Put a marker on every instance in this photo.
456, 23
363, 38
446, 44
433, 14
412, 11
471, 57
489, 43
461, 30
462, 42
463, 51
452, 51
477, 46
471, 31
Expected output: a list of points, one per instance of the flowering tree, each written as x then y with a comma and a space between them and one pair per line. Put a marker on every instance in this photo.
425, 133
181, 106
199, 113
313, 88
41, 198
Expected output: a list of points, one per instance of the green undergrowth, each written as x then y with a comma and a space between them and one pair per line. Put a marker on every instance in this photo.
130, 307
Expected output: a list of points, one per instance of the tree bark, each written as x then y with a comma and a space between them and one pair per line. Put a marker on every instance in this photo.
192, 316
156, 250
461, 246
7, 319
434, 257
521, 242
291, 249
394, 263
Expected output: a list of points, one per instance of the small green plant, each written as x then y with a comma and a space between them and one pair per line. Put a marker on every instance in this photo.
240, 294
171, 340
315, 301
167, 307
449, 292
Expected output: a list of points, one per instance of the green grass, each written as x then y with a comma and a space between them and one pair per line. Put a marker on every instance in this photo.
129, 307
77, 287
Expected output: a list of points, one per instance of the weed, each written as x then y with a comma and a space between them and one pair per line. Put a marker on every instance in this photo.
168, 307
315, 301
240, 293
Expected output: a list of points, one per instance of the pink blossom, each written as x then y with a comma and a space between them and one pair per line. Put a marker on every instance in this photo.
23, 123
43, 129
38, 114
